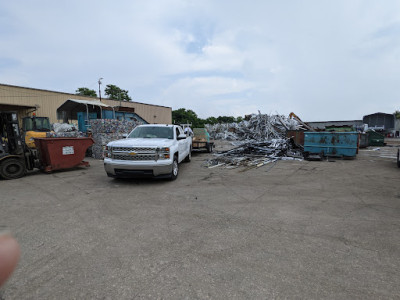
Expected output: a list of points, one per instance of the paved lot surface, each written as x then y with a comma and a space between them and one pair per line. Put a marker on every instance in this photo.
308, 230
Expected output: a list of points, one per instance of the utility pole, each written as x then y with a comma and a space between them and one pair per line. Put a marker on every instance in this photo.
99, 88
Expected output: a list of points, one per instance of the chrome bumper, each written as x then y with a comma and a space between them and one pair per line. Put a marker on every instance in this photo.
121, 168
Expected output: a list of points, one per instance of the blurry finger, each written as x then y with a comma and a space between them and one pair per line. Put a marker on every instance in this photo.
9, 255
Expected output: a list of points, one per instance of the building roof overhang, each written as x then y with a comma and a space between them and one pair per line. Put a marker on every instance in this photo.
73, 106
16, 107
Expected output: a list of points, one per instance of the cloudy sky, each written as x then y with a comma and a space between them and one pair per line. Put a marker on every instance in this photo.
323, 60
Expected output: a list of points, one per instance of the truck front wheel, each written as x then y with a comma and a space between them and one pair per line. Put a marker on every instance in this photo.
175, 168
398, 158
12, 168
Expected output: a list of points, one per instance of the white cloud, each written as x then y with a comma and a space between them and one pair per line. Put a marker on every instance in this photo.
209, 86
323, 60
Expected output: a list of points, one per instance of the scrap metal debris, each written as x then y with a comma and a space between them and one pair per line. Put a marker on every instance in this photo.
105, 131
62, 130
63, 127
259, 127
259, 141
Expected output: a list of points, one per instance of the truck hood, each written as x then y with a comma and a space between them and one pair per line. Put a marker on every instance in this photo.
141, 143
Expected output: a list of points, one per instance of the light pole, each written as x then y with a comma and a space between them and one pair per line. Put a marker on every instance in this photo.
99, 88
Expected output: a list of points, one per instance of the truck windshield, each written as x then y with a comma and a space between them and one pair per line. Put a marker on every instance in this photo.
155, 132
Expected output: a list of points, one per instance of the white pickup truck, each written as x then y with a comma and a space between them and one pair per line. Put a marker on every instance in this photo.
149, 151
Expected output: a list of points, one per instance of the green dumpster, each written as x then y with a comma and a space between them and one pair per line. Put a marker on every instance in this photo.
375, 138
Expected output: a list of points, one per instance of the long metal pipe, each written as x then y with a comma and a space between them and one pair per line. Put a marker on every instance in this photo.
87, 115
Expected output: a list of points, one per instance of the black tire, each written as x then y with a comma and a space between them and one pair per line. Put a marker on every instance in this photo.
188, 158
209, 148
12, 168
398, 158
175, 168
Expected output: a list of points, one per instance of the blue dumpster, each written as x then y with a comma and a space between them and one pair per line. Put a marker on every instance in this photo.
336, 144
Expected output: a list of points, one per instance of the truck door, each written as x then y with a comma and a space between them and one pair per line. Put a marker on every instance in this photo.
181, 144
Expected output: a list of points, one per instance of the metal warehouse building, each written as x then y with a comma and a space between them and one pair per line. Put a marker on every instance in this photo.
45, 103
380, 121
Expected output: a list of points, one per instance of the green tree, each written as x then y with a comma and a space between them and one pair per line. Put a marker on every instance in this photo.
225, 119
114, 92
183, 116
211, 120
84, 91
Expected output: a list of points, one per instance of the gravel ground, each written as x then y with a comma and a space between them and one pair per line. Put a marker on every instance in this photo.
296, 229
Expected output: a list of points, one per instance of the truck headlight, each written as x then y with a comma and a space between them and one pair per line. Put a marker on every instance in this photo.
107, 151
163, 153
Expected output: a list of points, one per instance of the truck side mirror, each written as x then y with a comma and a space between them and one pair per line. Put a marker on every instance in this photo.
181, 137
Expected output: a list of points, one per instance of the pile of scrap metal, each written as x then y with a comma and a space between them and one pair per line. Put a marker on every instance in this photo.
259, 141
258, 127
107, 130
64, 130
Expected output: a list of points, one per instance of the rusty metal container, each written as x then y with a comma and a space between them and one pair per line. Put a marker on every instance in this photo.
363, 140
62, 153
296, 135
337, 144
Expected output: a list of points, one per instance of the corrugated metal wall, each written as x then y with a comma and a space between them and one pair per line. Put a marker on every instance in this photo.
380, 119
151, 113
397, 124
49, 101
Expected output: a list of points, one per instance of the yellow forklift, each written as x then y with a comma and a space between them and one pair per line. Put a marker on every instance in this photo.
15, 157
46, 154
34, 127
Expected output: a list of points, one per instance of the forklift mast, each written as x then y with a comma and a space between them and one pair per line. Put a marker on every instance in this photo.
15, 157
10, 136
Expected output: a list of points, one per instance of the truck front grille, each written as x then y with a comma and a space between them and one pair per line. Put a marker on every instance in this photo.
134, 153
134, 149
134, 157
